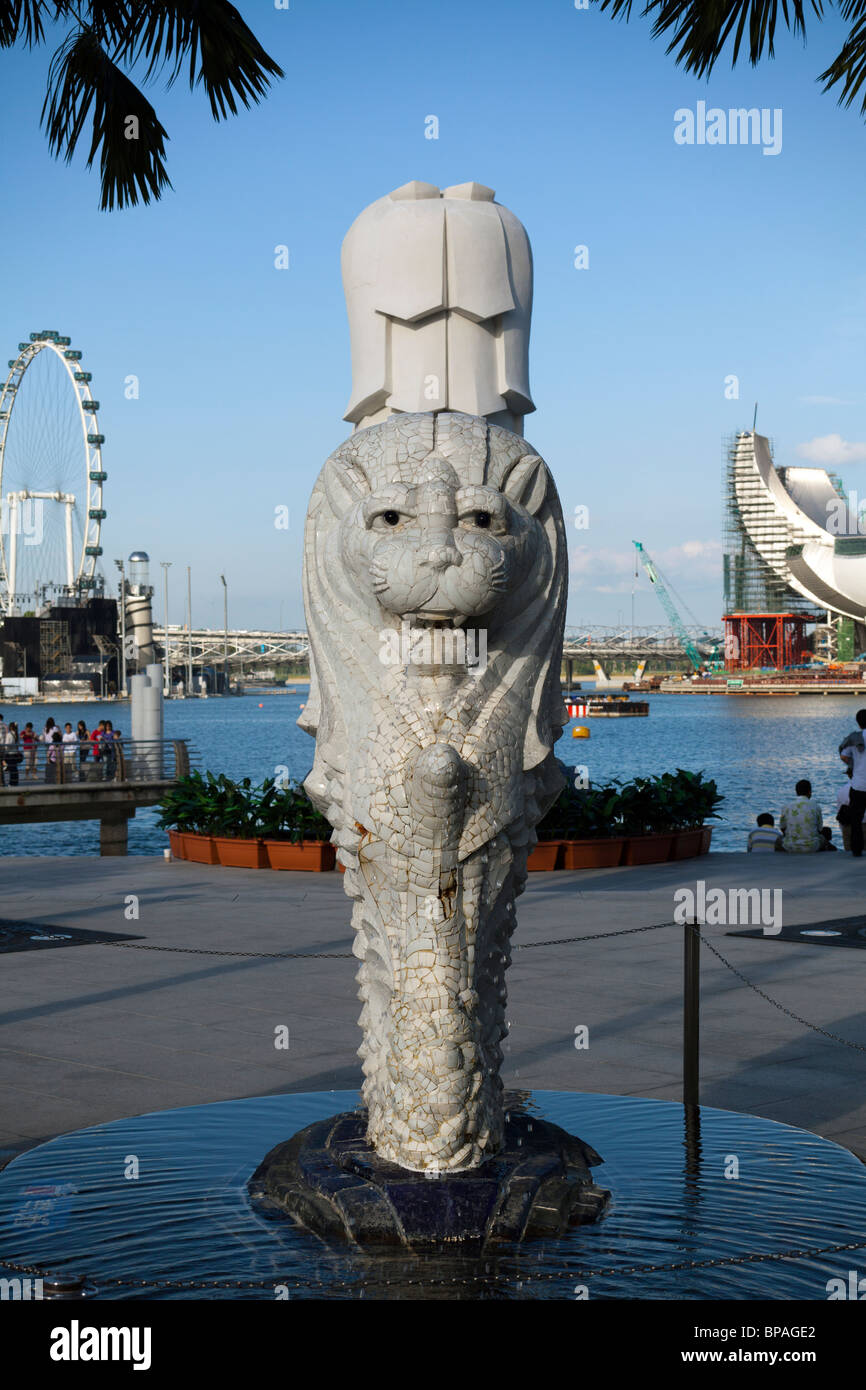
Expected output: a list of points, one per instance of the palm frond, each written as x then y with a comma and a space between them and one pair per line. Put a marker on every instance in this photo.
21, 22
701, 28
849, 68
126, 132
223, 53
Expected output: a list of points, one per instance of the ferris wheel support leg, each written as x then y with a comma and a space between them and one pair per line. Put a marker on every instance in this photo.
70, 558
13, 550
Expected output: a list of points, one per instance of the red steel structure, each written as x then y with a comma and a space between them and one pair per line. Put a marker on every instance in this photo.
766, 639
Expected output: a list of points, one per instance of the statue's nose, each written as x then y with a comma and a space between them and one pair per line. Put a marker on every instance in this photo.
440, 551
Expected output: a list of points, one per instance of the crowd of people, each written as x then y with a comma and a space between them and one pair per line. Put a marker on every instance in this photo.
71, 755
801, 828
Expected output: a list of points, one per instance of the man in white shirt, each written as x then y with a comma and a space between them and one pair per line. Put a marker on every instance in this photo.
853, 752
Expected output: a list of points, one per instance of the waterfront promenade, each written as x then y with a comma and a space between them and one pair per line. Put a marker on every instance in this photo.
89, 1033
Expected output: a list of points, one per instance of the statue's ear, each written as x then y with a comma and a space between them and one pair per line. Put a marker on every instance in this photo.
345, 483
527, 482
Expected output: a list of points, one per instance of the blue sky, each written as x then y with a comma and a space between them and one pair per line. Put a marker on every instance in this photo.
705, 261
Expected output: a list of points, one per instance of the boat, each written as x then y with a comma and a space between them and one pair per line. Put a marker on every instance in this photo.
609, 707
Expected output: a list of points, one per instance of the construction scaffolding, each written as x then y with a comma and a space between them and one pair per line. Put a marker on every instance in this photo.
766, 640
55, 655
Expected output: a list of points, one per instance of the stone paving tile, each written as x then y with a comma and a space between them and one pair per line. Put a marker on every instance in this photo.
197, 1020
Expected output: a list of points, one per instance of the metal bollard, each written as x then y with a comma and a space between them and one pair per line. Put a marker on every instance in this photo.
691, 1014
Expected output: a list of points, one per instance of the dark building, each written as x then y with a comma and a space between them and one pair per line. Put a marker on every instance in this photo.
66, 643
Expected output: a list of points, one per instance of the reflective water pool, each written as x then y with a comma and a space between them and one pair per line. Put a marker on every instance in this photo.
703, 1205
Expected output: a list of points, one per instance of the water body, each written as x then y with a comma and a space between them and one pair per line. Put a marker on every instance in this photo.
674, 1229
755, 748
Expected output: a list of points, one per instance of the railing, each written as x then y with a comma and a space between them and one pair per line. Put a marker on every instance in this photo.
122, 760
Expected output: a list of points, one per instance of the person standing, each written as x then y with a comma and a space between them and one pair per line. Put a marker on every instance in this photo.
83, 748
2, 746
108, 751
28, 746
53, 755
13, 755
70, 748
852, 751
801, 822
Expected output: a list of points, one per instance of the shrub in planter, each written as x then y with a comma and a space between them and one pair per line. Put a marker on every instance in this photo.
665, 805
247, 826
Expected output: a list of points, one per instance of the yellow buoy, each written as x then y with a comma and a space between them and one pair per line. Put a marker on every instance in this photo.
580, 732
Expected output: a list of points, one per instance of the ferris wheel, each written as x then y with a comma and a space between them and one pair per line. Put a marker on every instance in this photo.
51, 478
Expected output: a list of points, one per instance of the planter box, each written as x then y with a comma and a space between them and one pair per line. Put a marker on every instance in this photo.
544, 857
235, 853
592, 854
707, 835
317, 856
648, 849
198, 849
687, 843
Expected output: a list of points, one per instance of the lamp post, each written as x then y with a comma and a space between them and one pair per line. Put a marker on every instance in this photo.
189, 629
225, 634
166, 684
120, 566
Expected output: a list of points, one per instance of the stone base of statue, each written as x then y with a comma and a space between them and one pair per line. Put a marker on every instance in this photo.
333, 1182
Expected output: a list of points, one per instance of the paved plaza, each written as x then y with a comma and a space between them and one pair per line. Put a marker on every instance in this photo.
90, 1033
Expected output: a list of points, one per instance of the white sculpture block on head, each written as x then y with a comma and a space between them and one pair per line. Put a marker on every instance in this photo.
434, 771
438, 289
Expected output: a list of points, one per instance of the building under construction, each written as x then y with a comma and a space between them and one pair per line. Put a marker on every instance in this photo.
69, 650
794, 558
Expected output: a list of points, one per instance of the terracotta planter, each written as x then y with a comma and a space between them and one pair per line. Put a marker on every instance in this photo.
317, 856
198, 849
236, 853
648, 849
706, 836
544, 857
592, 854
687, 843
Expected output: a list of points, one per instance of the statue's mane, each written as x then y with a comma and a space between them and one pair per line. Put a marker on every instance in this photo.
520, 687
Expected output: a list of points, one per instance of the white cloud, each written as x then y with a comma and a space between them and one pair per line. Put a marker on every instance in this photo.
824, 400
606, 571
831, 451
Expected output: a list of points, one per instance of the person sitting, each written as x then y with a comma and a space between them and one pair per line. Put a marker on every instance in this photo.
827, 833
801, 822
766, 839
852, 751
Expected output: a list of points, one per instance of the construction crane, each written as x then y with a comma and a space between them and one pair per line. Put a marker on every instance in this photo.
667, 603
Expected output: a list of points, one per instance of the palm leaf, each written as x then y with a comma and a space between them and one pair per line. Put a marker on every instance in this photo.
701, 28
849, 68
21, 21
82, 76
223, 54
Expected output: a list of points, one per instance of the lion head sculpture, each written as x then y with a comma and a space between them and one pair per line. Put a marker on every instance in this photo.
443, 521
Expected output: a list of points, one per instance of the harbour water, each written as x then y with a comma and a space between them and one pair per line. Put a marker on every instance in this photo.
756, 749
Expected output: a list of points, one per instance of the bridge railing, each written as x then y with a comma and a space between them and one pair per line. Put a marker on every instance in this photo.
85, 761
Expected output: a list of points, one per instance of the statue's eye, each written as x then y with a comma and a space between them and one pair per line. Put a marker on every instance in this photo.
482, 519
391, 518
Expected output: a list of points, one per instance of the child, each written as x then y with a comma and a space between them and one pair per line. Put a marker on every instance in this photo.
827, 833
766, 838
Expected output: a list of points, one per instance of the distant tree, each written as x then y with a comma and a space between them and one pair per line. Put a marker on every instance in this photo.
699, 30
207, 36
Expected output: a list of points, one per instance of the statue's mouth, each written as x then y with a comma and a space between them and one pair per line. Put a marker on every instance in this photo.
428, 618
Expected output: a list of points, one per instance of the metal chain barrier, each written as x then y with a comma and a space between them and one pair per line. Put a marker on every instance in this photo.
834, 1037
577, 1273
520, 946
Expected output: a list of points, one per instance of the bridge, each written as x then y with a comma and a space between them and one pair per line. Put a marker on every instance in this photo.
252, 649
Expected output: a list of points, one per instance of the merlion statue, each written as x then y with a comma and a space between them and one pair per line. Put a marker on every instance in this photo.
434, 772
435, 583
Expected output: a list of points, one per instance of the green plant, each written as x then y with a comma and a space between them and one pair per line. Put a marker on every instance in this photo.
646, 806
216, 805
